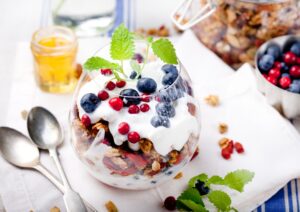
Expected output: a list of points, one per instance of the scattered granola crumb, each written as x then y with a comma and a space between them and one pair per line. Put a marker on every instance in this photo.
223, 142
162, 31
223, 128
24, 114
55, 209
111, 207
178, 176
212, 100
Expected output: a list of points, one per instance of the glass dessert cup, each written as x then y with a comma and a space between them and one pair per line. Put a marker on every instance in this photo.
160, 138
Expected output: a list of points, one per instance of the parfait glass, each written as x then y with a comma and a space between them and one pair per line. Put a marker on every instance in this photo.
162, 130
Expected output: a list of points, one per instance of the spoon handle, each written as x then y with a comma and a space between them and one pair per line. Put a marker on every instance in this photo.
58, 184
72, 199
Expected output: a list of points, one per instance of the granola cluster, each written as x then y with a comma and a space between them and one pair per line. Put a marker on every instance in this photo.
237, 28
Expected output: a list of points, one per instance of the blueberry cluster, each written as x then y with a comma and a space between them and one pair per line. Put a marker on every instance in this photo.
281, 66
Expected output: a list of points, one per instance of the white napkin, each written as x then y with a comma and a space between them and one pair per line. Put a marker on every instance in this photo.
271, 143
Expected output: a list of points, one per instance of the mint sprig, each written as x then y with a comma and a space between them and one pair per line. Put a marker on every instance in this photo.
122, 48
191, 200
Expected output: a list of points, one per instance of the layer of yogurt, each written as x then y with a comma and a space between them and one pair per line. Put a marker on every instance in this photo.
164, 139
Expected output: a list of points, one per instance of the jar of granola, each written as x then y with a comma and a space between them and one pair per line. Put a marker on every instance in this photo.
234, 29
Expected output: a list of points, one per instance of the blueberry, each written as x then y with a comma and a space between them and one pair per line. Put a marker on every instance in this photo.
130, 97
169, 79
284, 67
133, 75
89, 102
296, 82
169, 69
274, 50
202, 189
265, 63
295, 88
285, 75
158, 121
146, 85
295, 48
165, 109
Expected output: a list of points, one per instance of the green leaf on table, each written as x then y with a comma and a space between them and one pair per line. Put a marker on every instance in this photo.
217, 180
122, 44
150, 39
164, 49
220, 200
94, 63
201, 177
238, 179
192, 206
190, 194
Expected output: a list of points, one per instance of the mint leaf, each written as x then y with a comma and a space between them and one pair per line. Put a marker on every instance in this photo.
122, 44
220, 200
191, 194
217, 180
201, 177
94, 63
192, 206
150, 39
238, 179
164, 49
135, 66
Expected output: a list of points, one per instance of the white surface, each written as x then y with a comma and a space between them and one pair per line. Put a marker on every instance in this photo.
271, 143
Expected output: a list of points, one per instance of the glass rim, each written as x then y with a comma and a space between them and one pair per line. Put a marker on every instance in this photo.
153, 95
35, 43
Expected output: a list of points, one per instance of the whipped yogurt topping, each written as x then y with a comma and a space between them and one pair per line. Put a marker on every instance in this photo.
164, 140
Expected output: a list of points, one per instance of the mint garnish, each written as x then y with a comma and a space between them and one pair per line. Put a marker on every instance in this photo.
122, 48
192, 200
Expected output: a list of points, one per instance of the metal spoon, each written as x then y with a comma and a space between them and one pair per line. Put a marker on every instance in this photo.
46, 133
19, 150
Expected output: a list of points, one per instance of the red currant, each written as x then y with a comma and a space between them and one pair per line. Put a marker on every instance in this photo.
289, 58
144, 107
285, 82
226, 153
123, 128
133, 109
85, 120
106, 71
239, 147
230, 147
133, 137
116, 103
272, 80
295, 71
298, 60
145, 98
103, 95
170, 203
110, 85
120, 84
275, 73
277, 64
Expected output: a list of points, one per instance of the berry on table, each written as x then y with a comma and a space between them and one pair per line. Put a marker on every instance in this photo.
275, 72
158, 121
89, 102
116, 103
120, 83
130, 97
165, 109
239, 147
106, 72
274, 50
133, 137
202, 189
226, 154
272, 80
295, 71
289, 58
123, 128
133, 75
144, 107
146, 85
110, 85
103, 95
265, 63
85, 120
170, 203
133, 109
285, 82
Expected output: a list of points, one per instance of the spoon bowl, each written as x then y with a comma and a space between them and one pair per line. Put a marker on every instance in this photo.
17, 148
44, 129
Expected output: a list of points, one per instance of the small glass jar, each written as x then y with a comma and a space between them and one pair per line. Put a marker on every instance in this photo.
167, 138
54, 50
234, 29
